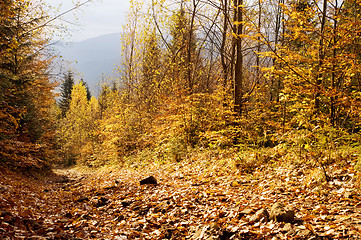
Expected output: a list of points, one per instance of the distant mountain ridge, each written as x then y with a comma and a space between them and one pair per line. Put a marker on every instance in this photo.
92, 58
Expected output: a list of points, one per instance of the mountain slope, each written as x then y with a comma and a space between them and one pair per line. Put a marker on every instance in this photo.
92, 58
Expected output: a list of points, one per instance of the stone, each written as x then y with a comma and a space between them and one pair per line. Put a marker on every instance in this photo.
278, 213
303, 233
247, 211
149, 180
100, 202
260, 215
287, 227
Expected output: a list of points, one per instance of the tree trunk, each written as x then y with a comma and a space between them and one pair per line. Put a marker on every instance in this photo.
223, 44
238, 71
321, 56
190, 50
333, 78
258, 73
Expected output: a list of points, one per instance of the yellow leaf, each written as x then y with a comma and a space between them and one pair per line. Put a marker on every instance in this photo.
235, 184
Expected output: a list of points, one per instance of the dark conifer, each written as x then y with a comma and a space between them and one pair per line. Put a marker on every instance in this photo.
65, 95
88, 94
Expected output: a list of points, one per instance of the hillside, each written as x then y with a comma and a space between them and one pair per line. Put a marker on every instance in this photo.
92, 58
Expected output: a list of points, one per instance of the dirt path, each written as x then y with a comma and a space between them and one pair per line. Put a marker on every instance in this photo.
190, 202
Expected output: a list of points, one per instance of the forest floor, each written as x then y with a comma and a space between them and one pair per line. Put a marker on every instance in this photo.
192, 200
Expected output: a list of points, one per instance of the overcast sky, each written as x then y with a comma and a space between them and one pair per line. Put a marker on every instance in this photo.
96, 18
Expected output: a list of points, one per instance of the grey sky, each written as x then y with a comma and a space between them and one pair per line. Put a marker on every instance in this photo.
96, 18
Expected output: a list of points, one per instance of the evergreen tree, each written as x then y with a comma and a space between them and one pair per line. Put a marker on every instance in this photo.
66, 89
88, 94
103, 98
26, 95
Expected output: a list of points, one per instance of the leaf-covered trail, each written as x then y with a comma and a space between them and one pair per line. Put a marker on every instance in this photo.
191, 201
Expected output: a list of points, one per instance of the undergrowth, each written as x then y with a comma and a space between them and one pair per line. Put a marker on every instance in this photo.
243, 160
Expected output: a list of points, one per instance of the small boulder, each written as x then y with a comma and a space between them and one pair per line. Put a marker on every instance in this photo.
100, 202
304, 233
149, 180
247, 211
278, 213
287, 227
260, 215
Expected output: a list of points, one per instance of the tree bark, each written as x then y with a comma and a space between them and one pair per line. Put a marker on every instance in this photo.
238, 71
321, 57
223, 44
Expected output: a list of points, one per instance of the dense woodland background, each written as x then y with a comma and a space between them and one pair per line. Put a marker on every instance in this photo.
261, 79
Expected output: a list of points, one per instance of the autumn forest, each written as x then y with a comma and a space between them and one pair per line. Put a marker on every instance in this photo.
228, 119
